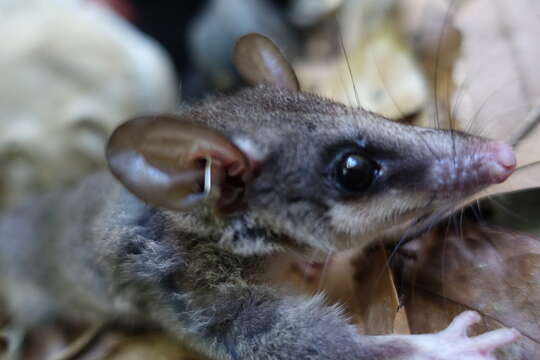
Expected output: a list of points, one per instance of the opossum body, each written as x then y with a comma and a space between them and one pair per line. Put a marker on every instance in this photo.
207, 198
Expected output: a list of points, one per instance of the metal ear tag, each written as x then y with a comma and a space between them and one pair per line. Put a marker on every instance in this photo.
207, 193
208, 177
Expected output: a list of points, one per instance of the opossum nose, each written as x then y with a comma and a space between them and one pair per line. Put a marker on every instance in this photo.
481, 165
501, 163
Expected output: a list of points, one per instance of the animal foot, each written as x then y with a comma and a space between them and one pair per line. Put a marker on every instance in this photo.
453, 342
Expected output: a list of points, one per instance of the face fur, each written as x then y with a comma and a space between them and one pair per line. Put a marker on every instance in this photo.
328, 175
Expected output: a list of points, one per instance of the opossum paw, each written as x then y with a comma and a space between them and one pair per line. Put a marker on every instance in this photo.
453, 342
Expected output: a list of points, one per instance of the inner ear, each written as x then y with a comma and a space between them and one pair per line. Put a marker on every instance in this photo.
258, 60
162, 160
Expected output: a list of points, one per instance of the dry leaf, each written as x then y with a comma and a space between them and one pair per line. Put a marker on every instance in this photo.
55, 341
360, 281
44, 343
117, 346
436, 43
334, 277
518, 211
492, 271
376, 297
378, 70
309, 12
498, 74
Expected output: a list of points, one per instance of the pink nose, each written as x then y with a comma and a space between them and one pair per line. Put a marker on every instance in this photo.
502, 164
486, 164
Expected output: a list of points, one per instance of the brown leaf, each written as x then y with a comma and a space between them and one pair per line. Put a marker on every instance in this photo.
377, 302
56, 341
517, 211
492, 271
309, 12
377, 71
139, 347
498, 74
401, 322
332, 276
436, 43
360, 281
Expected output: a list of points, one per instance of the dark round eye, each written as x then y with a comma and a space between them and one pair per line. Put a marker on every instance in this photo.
355, 172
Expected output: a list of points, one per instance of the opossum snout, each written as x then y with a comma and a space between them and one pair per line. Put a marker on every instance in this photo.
500, 162
491, 163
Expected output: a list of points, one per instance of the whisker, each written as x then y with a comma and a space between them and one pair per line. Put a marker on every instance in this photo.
527, 166
500, 260
346, 56
383, 81
406, 237
505, 209
324, 269
495, 118
534, 116
437, 61
344, 85
392, 254
531, 122
443, 260
460, 91
470, 124
462, 212
477, 212
513, 51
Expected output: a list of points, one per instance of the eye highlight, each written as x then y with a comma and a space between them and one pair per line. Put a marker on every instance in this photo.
355, 172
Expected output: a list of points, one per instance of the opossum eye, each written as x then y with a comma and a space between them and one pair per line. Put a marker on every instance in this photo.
355, 172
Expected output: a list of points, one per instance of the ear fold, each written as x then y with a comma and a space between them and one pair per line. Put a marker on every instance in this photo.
259, 60
162, 161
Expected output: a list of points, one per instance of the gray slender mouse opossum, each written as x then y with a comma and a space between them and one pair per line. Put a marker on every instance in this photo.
202, 201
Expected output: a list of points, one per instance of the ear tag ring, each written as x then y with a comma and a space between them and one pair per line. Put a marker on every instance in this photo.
208, 177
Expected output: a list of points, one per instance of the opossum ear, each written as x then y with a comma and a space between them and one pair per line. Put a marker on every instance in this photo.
173, 163
258, 60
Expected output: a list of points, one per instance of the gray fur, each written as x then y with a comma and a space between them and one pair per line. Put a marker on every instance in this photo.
98, 253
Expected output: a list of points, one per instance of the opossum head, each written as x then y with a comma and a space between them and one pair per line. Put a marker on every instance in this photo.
278, 167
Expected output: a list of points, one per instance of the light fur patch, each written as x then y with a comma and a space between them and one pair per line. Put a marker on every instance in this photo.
364, 218
249, 148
